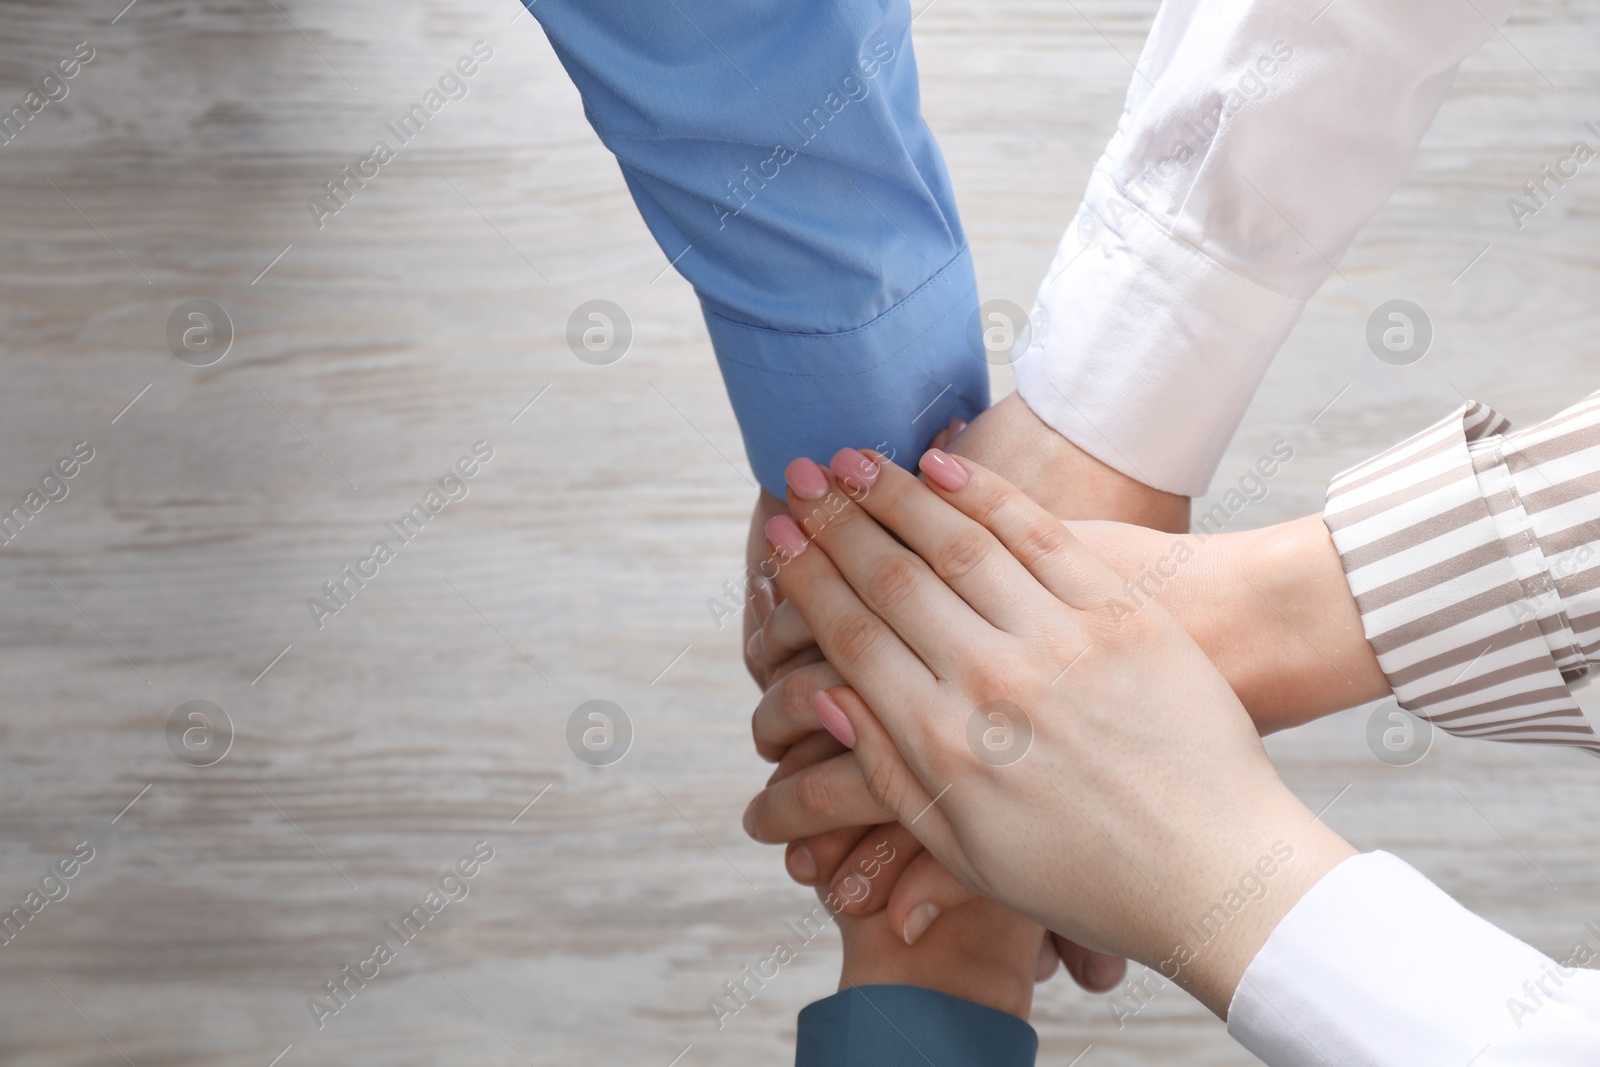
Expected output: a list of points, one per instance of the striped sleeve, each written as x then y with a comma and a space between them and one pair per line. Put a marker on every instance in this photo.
1473, 554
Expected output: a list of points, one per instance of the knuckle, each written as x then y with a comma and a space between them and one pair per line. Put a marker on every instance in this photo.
886, 786
794, 696
828, 516
944, 756
988, 505
988, 678
961, 555
813, 795
856, 638
893, 583
1040, 540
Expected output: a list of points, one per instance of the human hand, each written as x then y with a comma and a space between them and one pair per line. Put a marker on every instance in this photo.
1270, 608
760, 593
792, 649
981, 951
818, 785
1069, 482
1145, 790
917, 890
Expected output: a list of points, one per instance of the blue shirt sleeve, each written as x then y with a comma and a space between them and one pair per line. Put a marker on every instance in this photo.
777, 152
907, 1026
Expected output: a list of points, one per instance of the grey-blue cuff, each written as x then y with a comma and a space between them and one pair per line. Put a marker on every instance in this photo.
908, 1026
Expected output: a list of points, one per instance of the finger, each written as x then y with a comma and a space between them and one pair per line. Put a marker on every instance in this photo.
814, 860
793, 663
761, 602
809, 750
831, 795
875, 865
888, 577
1035, 537
782, 635
859, 644
760, 594
945, 437
1094, 971
1049, 959
966, 556
891, 781
784, 716
924, 892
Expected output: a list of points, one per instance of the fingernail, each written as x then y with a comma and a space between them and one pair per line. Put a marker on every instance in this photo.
833, 718
853, 889
764, 600
919, 920
786, 536
853, 468
750, 819
958, 427
806, 479
1101, 972
752, 649
943, 471
803, 865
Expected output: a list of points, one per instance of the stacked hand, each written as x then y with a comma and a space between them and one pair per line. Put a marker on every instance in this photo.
1144, 797
908, 893
1269, 607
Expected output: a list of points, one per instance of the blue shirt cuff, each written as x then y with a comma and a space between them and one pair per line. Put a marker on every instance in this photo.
908, 1026
890, 384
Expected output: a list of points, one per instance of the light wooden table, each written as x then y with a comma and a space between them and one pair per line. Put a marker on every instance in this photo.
428, 714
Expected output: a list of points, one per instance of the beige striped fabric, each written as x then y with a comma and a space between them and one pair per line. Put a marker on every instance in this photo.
1474, 557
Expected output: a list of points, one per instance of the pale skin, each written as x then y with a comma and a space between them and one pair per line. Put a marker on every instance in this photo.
1145, 796
1072, 484
1269, 607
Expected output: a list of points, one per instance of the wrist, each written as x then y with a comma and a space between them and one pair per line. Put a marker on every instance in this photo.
979, 952
1068, 482
1240, 880
1298, 650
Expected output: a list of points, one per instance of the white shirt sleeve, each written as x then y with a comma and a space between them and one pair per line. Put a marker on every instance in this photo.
1378, 967
1257, 137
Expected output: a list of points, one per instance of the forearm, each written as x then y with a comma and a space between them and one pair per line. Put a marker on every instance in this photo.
1255, 142
813, 215
1269, 607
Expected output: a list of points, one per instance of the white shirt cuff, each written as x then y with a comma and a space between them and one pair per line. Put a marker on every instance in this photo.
1146, 352
1378, 966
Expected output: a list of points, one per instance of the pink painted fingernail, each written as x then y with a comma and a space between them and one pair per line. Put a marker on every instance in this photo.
833, 718
752, 649
806, 479
786, 536
853, 468
943, 471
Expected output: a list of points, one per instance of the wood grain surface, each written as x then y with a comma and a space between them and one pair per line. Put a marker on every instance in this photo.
372, 353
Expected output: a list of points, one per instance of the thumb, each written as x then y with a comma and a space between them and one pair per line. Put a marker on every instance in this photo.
924, 892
